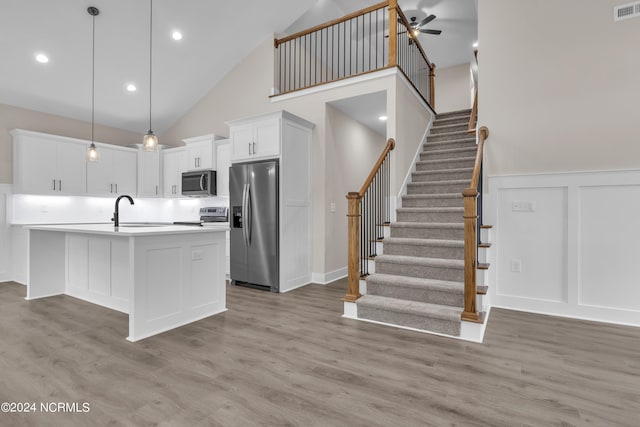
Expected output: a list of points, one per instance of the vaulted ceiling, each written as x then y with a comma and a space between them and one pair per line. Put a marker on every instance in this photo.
216, 36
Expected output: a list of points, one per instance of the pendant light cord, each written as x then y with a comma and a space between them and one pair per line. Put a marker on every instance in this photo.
93, 77
150, 53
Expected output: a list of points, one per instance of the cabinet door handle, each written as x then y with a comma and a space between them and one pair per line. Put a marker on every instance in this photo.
54, 185
254, 147
110, 188
59, 185
249, 148
116, 188
156, 190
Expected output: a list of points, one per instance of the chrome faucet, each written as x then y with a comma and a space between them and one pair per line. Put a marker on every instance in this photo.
116, 214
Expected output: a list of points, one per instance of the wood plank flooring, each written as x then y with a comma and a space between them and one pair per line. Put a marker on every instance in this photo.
292, 360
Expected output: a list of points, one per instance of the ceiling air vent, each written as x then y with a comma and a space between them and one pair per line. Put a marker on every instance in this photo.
626, 11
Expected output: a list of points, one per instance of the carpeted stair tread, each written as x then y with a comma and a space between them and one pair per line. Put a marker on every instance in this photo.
444, 182
452, 151
469, 139
424, 242
425, 309
448, 114
433, 196
428, 225
419, 261
439, 171
416, 282
435, 162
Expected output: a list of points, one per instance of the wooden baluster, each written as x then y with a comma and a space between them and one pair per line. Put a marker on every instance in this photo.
393, 33
432, 85
353, 248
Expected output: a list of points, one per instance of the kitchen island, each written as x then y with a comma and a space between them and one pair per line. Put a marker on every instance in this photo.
161, 276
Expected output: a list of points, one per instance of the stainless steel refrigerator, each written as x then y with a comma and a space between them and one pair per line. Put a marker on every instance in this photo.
253, 191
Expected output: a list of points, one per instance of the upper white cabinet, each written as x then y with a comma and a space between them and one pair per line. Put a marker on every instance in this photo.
223, 161
255, 138
174, 163
115, 173
48, 164
149, 173
201, 152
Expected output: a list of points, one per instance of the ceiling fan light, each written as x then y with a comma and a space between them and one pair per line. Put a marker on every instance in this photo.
150, 141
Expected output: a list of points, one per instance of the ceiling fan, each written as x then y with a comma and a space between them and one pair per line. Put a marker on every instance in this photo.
418, 26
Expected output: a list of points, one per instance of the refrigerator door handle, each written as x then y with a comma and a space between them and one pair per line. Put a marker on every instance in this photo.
244, 214
249, 220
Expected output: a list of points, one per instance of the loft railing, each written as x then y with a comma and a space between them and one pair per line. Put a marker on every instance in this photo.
472, 221
369, 211
368, 40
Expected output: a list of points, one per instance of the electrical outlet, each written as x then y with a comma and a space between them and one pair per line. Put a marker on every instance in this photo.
523, 206
516, 266
332, 207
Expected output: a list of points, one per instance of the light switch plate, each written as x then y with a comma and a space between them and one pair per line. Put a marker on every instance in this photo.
523, 206
516, 266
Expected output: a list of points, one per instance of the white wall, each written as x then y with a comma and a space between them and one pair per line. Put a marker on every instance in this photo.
561, 101
558, 86
453, 88
5, 234
577, 248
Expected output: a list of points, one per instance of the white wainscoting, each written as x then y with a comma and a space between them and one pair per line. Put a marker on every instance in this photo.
5, 233
573, 237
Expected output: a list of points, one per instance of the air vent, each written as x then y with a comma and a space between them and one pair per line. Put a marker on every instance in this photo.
626, 11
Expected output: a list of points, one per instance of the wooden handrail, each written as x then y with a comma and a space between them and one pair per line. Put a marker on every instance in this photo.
391, 143
474, 114
328, 24
470, 194
353, 227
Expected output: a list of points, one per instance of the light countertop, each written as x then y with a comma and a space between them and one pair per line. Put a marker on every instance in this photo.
130, 229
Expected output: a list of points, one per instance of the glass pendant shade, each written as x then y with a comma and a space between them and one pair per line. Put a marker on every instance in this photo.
93, 155
150, 141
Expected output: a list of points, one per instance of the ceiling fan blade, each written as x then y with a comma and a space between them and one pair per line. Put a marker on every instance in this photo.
436, 32
426, 20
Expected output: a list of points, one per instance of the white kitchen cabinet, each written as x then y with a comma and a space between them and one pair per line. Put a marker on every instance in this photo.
223, 161
115, 173
149, 173
48, 164
201, 152
257, 138
174, 163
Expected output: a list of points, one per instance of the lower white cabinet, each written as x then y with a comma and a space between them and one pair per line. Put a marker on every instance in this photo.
174, 161
115, 173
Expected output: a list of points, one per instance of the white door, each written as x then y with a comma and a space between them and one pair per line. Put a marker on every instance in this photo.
38, 166
223, 162
124, 173
241, 142
99, 174
72, 168
267, 138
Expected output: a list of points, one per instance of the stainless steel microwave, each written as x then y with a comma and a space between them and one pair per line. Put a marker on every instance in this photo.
199, 183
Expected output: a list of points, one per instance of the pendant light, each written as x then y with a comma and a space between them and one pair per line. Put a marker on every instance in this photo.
92, 153
150, 140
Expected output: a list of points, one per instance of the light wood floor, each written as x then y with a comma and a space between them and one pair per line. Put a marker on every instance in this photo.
290, 359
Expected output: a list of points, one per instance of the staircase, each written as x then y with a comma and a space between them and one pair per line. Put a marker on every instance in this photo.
419, 277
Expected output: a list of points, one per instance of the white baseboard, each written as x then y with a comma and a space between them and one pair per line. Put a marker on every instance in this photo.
326, 278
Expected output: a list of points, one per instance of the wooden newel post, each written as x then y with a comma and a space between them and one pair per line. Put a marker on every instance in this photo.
353, 248
432, 86
393, 33
470, 262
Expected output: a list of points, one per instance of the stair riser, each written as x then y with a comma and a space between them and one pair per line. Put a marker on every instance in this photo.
448, 217
439, 155
446, 145
448, 114
413, 270
424, 188
410, 320
460, 127
428, 233
439, 137
450, 164
451, 121
441, 176
431, 296
449, 202
425, 251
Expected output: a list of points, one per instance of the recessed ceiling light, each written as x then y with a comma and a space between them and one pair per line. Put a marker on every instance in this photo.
382, 118
176, 35
131, 87
42, 58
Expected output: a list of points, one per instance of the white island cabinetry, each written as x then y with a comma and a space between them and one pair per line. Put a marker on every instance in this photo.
162, 277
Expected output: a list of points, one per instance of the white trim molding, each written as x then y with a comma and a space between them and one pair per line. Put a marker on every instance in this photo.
566, 244
331, 276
